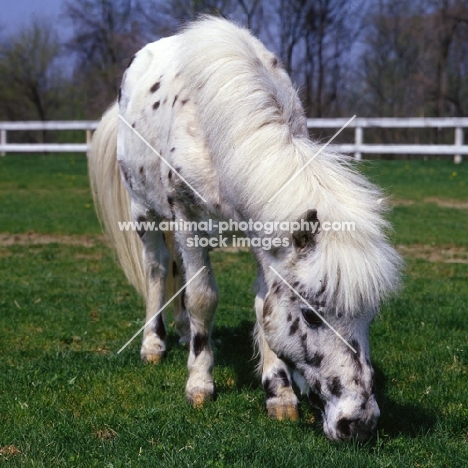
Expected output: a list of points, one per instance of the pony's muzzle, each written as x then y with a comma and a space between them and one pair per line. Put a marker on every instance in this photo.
347, 429
360, 424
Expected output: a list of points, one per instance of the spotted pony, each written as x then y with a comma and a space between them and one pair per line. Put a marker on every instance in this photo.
209, 126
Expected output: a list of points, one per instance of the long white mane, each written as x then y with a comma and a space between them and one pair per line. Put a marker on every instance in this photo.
255, 129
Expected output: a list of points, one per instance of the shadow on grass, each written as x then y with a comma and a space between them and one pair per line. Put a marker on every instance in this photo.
236, 351
398, 418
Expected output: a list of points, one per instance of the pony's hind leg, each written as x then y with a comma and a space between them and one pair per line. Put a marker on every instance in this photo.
174, 283
201, 299
281, 401
156, 262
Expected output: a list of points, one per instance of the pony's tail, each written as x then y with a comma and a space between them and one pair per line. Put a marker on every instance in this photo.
112, 201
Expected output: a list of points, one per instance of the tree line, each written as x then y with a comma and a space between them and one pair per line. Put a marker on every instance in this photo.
379, 58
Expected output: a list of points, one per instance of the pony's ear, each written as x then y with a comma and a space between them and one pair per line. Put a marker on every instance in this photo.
310, 225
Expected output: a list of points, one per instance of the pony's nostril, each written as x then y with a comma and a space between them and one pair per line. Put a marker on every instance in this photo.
349, 428
343, 428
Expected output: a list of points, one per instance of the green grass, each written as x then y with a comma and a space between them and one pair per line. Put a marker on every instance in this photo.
46, 194
417, 180
67, 398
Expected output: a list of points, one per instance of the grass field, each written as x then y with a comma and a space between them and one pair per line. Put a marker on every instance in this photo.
68, 400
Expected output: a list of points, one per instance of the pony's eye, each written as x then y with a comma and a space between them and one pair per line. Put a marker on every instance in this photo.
311, 318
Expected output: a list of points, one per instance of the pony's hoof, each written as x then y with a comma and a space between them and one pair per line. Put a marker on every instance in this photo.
151, 358
197, 398
283, 412
152, 349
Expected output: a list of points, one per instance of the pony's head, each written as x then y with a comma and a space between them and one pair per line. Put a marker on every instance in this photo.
338, 380
321, 296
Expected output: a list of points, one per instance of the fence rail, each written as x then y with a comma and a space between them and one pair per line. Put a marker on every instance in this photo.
357, 148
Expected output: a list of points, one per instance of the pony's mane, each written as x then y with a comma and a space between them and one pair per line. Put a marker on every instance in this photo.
242, 90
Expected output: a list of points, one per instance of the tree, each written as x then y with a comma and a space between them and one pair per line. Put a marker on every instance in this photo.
29, 73
393, 60
314, 38
416, 59
449, 20
164, 17
106, 35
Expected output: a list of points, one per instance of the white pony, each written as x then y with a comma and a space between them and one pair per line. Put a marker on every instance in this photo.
211, 127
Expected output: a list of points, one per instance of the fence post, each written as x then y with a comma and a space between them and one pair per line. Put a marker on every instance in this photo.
358, 137
3, 140
457, 159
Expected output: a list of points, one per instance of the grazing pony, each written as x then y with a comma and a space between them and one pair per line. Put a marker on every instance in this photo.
208, 126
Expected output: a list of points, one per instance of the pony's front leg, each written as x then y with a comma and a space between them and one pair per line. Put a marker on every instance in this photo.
281, 401
201, 299
156, 263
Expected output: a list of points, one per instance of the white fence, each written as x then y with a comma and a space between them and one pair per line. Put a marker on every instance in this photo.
86, 126
357, 148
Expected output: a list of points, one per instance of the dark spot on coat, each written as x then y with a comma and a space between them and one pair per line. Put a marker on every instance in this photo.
294, 327
165, 100
120, 94
175, 272
141, 231
335, 387
270, 389
170, 201
287, 361
172, 149
296, 284
159, 327
316, 360
156, 105
155, 87
182, 299
184, 101
315, 399
169, 175
283, 376
289, 317
175, 100
133, 124
200, 342
142, 170
274, 62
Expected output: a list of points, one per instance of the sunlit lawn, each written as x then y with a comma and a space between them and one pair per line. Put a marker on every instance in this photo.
68, 399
